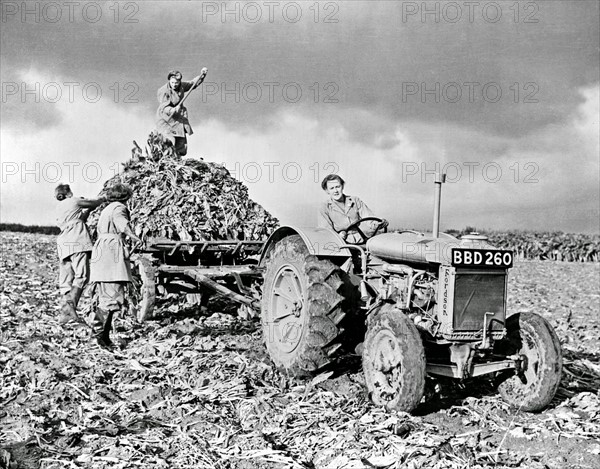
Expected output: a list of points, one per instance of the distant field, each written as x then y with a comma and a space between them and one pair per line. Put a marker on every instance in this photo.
18, 228
558, 246
548, 245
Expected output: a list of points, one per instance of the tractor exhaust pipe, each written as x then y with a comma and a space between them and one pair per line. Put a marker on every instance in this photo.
439, 180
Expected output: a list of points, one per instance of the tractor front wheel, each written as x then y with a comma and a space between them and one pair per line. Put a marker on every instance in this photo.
301, 308
394, 360
534, 385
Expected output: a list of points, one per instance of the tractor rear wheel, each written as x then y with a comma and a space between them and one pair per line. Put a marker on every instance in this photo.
534, 385
394, 360
142, 291
301, 308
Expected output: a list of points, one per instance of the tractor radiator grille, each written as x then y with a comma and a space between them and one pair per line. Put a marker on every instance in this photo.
476, 293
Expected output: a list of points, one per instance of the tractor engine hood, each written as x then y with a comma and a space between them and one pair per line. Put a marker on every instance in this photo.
410, 246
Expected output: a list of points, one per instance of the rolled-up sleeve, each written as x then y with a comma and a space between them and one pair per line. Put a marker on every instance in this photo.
89, 203
364, 212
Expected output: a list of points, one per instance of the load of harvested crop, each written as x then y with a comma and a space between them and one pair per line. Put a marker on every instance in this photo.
187, 199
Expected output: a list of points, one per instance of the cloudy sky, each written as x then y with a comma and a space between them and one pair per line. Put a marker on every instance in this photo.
502, 95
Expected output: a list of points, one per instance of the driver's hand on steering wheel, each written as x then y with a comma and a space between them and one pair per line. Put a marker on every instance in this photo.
384, 223
343, 235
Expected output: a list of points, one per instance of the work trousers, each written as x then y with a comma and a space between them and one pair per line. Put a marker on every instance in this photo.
73, 271
180, 144
111, 295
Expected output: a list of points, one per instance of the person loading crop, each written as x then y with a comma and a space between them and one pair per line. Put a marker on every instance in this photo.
110, 266
74, 245
341, 211
172, 117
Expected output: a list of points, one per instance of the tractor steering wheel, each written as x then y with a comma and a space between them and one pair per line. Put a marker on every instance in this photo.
356, 224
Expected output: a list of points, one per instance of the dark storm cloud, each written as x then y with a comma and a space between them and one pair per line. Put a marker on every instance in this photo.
377, 62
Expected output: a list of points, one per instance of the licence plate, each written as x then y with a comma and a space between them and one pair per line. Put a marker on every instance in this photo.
491, 258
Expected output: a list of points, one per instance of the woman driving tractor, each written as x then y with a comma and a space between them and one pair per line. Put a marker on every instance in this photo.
347, 215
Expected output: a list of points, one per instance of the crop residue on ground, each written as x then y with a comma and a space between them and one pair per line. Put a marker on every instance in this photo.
191, 390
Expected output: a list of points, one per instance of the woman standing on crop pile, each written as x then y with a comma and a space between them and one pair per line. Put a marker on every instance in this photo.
172, 117
74, 246
110, 264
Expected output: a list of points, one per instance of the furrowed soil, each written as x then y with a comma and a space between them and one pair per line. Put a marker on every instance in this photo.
194, 389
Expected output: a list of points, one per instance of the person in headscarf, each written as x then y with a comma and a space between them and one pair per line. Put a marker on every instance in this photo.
74, 245
172, 117
110, 264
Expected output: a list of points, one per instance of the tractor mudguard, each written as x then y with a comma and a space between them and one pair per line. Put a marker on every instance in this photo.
320, 242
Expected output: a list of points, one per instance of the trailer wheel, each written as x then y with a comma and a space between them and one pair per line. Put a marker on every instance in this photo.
534, 385
142, 292
301, 308
394, 360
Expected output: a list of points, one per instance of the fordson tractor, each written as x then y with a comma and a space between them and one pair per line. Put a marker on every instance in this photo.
433, 304
412, 304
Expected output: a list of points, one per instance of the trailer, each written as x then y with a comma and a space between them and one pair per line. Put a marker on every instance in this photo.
198, 269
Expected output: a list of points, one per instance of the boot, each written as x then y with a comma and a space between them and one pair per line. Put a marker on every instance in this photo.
101, 325
69, 309
107, 328
68, 313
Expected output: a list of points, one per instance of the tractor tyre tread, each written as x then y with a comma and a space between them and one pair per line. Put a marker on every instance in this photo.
323, 304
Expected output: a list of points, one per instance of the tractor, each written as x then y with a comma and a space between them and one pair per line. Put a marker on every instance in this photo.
411, 304
433, 305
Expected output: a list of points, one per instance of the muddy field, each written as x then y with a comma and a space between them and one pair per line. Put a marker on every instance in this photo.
195, 389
